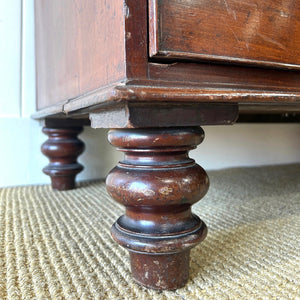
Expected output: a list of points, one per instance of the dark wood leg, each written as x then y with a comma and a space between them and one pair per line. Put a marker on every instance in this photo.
62, 148
157, 182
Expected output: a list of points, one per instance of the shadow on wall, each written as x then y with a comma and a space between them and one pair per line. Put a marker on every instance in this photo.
223, 147
99, 157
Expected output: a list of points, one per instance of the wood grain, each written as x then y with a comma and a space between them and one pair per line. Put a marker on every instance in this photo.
264, 32
136, 38
79, 47
62, 148
157, 182
224, 75
93, 54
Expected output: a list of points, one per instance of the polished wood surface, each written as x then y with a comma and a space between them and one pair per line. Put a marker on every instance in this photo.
136, 38
265, 32
226, 76
157, 183
79, 47
176, 92
96, 53
62, 148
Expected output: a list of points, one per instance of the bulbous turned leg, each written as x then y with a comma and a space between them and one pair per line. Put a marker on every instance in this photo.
157, 182
62, 148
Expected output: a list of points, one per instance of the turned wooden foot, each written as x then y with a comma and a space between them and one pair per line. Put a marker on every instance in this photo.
62, 148
157, 182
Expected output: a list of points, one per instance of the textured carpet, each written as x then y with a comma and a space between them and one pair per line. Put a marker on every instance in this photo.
57, 245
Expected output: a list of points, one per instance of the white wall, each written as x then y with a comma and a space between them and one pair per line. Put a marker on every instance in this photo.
20, 158
248, 145
10, 58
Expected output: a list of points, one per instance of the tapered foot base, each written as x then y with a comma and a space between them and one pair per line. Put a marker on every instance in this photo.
61, 183
169, 271
160, 261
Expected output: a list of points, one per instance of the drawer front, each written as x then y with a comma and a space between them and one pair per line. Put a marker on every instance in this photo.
261, 32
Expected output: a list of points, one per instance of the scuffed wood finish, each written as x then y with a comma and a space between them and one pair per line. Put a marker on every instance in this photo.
93, 63
265, 32
144, 115
157, 183
176, 92
93, 54
62, 148
136, 38
79, 47
225, 76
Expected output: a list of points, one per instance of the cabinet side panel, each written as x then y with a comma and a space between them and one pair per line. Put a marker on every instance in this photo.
79, 47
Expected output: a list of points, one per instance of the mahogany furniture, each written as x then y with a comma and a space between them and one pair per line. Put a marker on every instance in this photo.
155, 71
63, 147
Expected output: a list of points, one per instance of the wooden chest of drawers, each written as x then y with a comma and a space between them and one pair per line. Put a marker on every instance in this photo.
198, 51
157, 70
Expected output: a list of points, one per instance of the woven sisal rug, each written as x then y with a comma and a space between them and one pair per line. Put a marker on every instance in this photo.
57, 245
